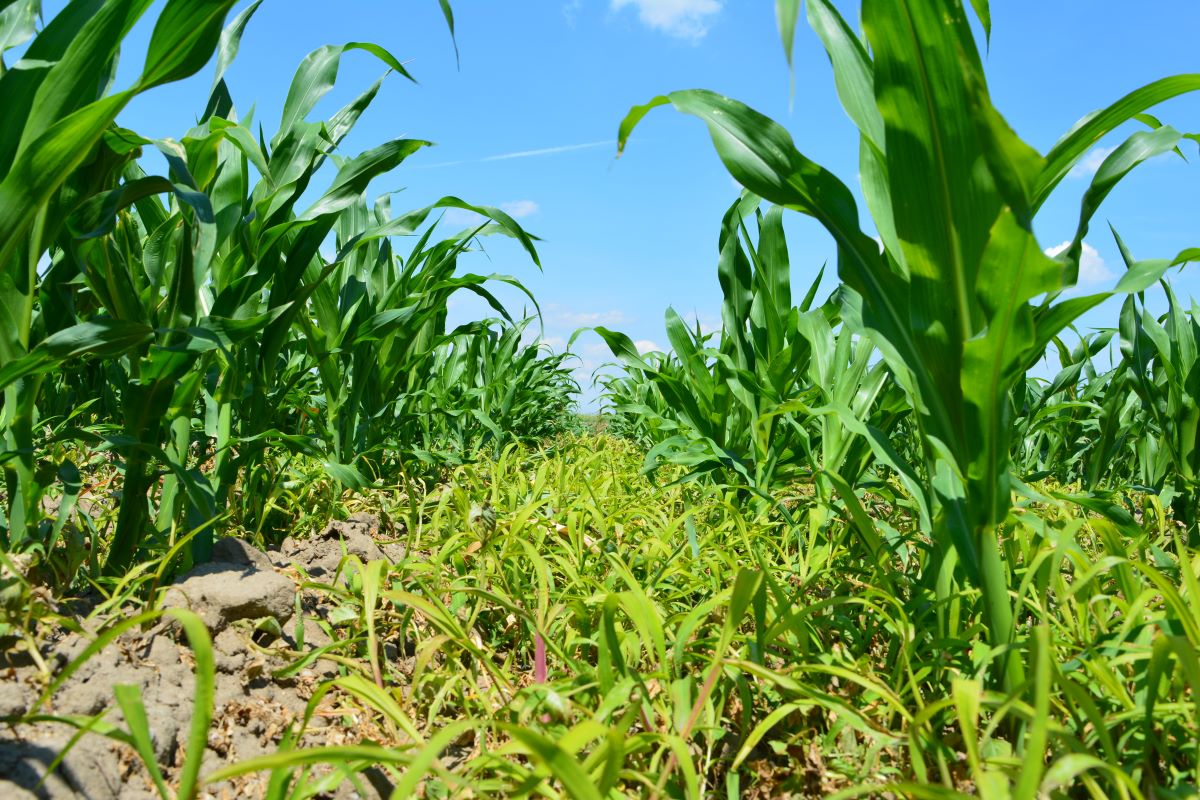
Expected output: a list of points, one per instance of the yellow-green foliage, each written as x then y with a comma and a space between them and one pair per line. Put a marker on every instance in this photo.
694, 650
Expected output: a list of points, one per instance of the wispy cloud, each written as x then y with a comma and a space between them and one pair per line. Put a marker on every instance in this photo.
541, 151
588, 356
460, 216
708, 321
682, 19
570, 10
555, 344
514, 208
520, 208
1091, 162
1092, 268
557, 316
647, 346
547, 151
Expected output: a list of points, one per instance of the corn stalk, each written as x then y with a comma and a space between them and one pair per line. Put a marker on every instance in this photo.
951, 297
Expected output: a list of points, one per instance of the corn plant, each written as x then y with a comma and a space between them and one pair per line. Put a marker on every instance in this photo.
634, 409
1160, 354
219, 301
375, 324
951, 298
483, 389
234, 265
58, 149
744, 406
1059, 423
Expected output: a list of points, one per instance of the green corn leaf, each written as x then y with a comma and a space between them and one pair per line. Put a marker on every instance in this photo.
18, 23
129, 698
97, 216
330, 754
1093, 127
1033, 767
352, 179
72, 83
42, 167
1139, 147
984, 12
184, 39
448, 13
561, 764
853, 72
231, 40
346, 475
787, 12
316, 76
102, 337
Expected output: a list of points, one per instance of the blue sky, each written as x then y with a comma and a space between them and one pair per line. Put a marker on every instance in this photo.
528, 123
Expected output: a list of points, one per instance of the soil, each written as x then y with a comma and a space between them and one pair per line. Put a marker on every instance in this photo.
237, 595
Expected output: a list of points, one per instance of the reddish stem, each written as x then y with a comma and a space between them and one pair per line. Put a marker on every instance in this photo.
539, 659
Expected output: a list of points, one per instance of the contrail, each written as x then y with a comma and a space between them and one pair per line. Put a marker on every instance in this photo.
545, 151
542, 151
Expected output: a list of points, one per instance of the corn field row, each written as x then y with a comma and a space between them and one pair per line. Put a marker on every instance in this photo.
848, 545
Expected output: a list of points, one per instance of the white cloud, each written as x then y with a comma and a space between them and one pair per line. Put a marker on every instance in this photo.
460, 216
709, 323
646, 346
467, 219
593, 356
555, 344
1092, 268
556, 315
570, 11
597, 350
1087, 166
683, 19
520, 208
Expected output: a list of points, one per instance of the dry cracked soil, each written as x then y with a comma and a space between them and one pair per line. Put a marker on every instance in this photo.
257, 696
